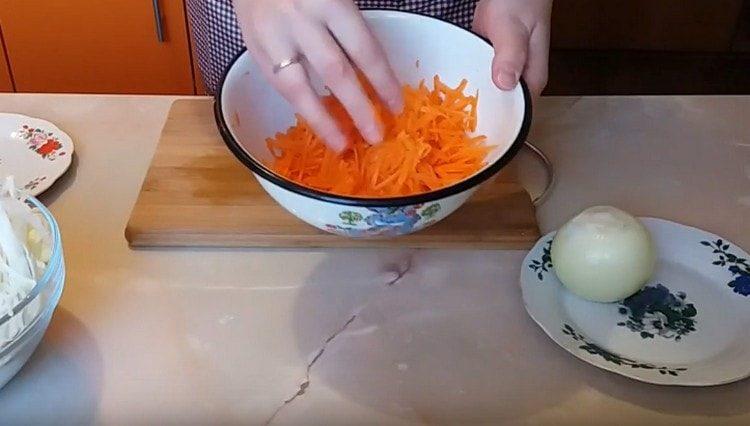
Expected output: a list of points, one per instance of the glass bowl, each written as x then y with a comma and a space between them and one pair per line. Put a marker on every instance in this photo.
35, 311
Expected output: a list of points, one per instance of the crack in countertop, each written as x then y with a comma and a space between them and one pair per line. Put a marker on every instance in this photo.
400, 272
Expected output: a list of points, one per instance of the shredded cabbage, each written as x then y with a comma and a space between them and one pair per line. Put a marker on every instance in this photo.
25, 244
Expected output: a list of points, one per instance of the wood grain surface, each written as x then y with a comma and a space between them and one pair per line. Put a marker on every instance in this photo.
196, 194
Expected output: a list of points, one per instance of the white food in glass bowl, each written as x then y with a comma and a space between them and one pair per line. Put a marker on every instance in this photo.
25, 248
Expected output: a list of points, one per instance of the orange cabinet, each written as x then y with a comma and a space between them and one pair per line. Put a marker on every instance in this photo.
6, 84
108, 46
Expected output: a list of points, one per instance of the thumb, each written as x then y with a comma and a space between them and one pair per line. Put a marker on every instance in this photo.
510, 38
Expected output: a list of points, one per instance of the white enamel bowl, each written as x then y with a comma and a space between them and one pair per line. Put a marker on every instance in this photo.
248, 110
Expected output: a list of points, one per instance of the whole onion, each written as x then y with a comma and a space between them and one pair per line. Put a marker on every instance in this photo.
604, 254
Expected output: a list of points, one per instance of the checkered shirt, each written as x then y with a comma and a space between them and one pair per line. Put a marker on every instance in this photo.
217, 35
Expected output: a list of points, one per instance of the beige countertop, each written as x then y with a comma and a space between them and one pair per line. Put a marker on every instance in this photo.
189, 336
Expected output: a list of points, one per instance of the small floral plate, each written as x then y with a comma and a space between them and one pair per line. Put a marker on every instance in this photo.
34, 151
688, 326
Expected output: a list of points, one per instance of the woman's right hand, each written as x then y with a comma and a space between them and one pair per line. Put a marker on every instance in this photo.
329, 34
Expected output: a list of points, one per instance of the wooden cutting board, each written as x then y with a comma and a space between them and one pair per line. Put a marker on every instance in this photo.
196, 194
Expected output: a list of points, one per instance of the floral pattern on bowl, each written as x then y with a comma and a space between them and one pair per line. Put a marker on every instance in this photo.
354, 221
34, 151
687, 326
384, 222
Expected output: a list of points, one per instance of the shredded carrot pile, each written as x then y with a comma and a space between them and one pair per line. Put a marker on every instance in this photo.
426, 147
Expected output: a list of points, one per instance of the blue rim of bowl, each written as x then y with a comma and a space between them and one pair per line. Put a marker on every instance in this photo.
260, 170
53, 265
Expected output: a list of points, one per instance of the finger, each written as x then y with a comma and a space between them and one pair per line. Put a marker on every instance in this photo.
510, 38
537, 65
348, 26
330, 63
293, 84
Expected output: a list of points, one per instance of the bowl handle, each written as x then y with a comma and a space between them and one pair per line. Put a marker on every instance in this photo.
549, 171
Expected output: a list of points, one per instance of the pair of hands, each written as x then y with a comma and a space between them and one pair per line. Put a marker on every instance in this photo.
334, 38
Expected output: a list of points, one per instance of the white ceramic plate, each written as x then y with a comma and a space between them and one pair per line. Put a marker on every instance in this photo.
688, 326
34, 151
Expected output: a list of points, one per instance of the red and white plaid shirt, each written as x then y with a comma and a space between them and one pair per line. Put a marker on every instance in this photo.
218, 38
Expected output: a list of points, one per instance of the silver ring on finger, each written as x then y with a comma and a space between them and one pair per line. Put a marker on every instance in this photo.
296, 59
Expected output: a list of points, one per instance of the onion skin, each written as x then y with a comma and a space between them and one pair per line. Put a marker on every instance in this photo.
603, 255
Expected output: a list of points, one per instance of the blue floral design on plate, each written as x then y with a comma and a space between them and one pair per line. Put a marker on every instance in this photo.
544, 264
655, 311
594, 349
737, 266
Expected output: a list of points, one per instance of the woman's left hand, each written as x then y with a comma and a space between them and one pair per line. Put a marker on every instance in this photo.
519, 30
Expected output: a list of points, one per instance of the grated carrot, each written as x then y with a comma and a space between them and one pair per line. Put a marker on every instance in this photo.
426, 147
